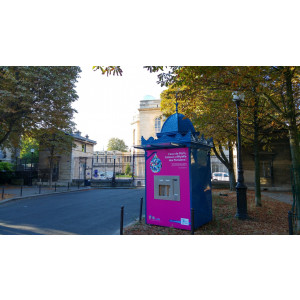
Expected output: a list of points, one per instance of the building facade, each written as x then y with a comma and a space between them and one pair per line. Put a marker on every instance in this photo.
73, 164
105, 163
9, 155
147, 122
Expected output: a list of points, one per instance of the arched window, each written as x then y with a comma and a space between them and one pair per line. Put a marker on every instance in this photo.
157, 125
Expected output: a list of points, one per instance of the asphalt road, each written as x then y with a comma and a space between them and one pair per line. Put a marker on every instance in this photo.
84, 212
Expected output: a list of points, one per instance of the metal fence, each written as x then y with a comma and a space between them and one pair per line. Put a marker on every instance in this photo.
24, 170
124, 165
293, 213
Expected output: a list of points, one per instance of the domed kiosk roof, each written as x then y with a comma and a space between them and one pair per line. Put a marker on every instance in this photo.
177, 131
177, 123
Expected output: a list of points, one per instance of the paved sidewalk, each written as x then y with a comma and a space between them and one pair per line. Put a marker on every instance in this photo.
18, 192
286, 197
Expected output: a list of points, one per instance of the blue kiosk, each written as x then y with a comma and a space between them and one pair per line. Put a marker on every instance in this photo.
178, 175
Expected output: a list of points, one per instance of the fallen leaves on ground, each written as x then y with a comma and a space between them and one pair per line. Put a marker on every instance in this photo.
6, 196
269, 219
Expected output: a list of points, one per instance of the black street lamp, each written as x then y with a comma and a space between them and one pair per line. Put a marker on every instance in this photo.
105, 163
114, 174
133, 152
32, 151
241, 188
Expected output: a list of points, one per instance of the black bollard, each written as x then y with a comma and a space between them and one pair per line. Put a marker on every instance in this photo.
40, 188
2, 192
192, 221
122, 220
141, 210
21, 191
55, 187
290, 218
78, 184
68, 185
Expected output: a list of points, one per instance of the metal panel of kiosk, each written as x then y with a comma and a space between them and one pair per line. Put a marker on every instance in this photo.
167, 188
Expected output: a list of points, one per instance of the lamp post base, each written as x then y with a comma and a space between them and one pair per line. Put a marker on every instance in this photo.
241, 195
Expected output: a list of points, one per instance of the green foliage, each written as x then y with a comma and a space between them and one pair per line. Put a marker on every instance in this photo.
114, 70
6, 166
35, 97
55, 142
116, 144
128, 169
28, 143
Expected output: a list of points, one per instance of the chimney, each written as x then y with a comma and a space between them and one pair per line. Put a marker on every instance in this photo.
86, 136
78, 133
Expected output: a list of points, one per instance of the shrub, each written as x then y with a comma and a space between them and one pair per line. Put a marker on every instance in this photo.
6, 166
128, 169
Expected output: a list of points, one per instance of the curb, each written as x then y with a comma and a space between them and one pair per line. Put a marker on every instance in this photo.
63, 192
128, 225
41, 195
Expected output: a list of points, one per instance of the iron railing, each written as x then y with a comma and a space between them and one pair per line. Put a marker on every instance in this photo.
293, 213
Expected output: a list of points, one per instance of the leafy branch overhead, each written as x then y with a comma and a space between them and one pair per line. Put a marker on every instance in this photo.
111, 70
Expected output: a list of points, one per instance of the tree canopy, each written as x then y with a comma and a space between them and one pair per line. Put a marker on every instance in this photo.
272, 94
32, 98
28, 143
116, 144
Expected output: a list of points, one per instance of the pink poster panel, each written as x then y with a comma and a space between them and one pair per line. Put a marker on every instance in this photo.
162, 209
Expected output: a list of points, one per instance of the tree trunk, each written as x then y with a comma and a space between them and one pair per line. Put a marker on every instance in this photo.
231, 168
256, 157
227, 163
294, 147
294, 140
257, 175
51, 172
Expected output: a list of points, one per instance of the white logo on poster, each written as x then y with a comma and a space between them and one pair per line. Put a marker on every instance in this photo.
185, 221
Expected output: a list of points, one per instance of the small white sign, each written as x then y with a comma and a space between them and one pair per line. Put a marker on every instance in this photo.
185, 221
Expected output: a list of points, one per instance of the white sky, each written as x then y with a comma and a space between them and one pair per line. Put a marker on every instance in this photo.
106, 105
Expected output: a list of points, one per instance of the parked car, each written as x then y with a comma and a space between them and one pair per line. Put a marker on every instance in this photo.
220, 176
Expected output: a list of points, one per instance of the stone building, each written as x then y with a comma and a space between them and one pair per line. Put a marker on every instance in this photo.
106, 162
7, 155
147, 122
72, 165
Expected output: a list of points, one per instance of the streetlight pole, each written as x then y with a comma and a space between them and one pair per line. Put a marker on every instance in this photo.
241, 188
114, 175
32, 151
105, 163
133, 152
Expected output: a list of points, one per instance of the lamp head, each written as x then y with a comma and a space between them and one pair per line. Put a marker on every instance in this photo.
238, 96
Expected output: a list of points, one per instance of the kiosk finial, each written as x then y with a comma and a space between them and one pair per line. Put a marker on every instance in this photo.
176, 104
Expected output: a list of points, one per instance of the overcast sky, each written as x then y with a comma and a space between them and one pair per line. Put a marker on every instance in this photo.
106, 105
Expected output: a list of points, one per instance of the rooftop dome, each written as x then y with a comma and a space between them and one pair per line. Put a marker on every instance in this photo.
177, 123
149, 97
